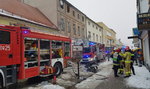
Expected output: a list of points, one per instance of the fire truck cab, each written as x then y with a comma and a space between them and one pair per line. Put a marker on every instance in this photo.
92, 54
25, 54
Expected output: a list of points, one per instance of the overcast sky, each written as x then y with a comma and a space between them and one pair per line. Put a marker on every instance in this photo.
120, 15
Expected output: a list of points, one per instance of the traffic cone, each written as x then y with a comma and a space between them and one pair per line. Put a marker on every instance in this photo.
54, 79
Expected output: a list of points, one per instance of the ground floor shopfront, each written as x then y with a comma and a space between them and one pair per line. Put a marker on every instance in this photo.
146, 47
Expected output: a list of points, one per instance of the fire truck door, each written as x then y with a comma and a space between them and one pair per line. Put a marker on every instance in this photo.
6, 46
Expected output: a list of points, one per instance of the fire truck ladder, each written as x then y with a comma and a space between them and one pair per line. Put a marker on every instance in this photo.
11, 73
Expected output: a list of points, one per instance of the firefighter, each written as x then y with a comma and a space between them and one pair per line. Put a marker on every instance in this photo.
127, 55
121, 62
115, 63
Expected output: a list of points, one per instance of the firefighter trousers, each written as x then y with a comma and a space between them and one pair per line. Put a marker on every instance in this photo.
127, 68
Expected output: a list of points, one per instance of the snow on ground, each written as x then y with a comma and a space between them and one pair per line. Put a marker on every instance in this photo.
93, 81
46, 85
141, 79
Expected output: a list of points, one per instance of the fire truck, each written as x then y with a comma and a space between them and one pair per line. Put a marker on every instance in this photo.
25, 53
93, 53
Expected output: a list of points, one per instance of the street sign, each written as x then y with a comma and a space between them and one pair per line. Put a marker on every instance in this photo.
136, 31
77, 48
131, 37
143, 21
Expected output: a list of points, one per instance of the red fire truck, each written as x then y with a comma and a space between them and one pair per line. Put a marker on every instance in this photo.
94, 53
25, 54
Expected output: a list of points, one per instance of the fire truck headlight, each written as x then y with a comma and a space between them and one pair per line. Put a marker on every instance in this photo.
91, 59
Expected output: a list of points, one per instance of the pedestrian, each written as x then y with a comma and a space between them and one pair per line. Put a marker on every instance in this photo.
115, 63
127, 69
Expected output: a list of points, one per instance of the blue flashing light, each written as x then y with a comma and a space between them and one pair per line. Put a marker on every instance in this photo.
107, 52
91, 43
86, 56
25, 32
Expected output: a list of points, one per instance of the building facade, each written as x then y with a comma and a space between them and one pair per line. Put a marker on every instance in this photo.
94, 31
143, 16
109, 36
119, 44
69, 20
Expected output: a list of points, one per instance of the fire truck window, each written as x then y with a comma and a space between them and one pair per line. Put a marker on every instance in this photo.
44, 50
31, 49
86, 50
4, 37
57, 51
67, 50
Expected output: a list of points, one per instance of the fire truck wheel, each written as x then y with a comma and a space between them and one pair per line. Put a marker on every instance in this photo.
1, 82
58, 69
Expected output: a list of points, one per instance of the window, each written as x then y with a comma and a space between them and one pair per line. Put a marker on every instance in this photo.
74, 13
93, 36
100, 30
44, 49
100, 39
83, 32
97, 37
62, 24
4, 37
57, 51
89, 23
61, 4
108, 41
82, 18
78, 16
31, 51
78, 30
69, 27
96, 27
68, 8
89, 35
74, 29
67, 49
93, 25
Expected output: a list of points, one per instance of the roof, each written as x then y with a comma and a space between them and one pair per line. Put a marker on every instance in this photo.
102, 24
25, 11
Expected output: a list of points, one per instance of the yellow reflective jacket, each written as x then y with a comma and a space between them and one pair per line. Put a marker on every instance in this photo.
127, 56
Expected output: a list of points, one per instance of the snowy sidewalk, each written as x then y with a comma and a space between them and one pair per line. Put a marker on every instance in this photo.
141, 80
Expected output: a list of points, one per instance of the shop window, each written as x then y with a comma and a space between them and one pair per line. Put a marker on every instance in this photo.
67, 50
31, 49
4, 37
57, 51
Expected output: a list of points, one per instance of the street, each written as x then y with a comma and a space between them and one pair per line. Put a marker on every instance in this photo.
103, 79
